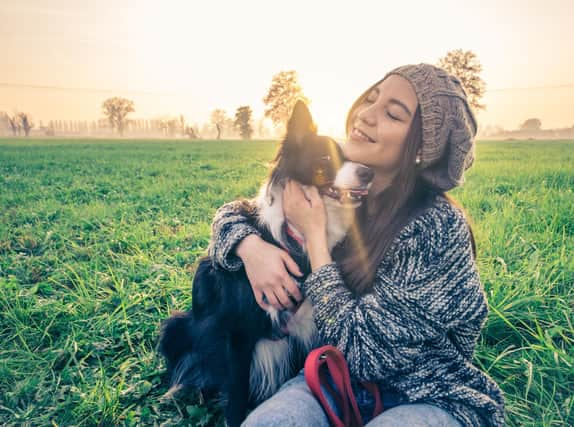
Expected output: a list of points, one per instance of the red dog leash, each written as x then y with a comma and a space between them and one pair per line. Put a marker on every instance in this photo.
329, 359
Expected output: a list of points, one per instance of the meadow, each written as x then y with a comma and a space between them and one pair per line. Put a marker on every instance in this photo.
99, 240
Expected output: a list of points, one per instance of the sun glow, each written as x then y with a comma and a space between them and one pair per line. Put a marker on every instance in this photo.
181, 57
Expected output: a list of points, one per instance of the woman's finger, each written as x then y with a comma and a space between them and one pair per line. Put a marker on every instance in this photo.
261, 300
292, 289
283, 298
290, 264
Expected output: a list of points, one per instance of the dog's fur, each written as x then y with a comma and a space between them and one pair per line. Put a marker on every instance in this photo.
226, 343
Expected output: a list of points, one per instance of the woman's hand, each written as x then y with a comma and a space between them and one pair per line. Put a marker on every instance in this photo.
306, 212
266, 266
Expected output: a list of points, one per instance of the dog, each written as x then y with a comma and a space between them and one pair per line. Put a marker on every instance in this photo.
226, 343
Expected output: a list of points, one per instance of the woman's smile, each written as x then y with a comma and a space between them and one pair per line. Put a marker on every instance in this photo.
359, 135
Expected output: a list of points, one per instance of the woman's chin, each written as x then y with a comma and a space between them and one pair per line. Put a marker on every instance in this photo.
352, 151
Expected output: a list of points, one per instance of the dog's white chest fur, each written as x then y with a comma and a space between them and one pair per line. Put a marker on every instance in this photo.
272, 359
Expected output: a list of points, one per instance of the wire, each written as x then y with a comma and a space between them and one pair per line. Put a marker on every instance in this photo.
141, 92
85, 89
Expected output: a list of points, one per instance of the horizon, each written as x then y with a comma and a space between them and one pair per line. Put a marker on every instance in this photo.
169, 61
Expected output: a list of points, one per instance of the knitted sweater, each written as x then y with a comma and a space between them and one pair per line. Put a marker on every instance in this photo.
416, 331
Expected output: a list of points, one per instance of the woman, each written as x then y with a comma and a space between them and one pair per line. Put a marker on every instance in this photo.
401, 297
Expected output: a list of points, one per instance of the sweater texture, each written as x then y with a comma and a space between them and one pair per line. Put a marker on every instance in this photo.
415, 332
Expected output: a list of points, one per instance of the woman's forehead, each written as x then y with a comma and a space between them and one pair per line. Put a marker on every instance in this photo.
395, 86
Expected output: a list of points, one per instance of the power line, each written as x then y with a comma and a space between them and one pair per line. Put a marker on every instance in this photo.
86, 89
151, 93
504, 89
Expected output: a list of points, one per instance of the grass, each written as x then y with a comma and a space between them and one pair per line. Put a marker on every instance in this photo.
98, 241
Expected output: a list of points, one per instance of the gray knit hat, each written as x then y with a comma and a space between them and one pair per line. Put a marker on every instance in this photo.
448, 124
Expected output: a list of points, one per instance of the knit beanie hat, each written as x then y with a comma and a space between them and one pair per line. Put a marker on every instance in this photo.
448, 124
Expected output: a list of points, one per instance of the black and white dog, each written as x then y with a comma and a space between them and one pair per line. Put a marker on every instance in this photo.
226, 343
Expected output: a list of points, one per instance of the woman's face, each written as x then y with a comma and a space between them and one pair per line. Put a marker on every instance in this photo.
379, 126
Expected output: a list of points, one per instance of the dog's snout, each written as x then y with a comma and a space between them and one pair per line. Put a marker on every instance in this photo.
365, 174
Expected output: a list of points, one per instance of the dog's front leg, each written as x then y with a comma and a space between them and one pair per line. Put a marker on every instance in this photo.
241, 353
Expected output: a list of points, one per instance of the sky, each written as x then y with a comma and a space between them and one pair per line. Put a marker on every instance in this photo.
189, 57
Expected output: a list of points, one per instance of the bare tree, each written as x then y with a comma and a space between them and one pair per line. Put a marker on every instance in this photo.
25, 123
4, 123
243, 121
191, 132
172, 127
466, 67
182, 124
219, 119
14, 124
284, 92
116, 110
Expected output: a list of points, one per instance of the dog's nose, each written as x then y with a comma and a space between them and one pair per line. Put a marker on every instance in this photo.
365, 174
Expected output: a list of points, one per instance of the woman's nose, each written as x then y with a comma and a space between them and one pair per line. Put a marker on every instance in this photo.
367, 116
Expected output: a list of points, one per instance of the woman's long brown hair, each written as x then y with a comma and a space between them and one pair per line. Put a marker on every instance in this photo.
373, 232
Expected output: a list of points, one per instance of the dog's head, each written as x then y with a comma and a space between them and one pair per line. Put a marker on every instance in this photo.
317, 160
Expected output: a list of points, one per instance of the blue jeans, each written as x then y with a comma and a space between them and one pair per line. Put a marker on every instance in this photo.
295, 406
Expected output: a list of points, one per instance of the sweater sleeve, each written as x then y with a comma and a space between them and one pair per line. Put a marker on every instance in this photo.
426, 303
232, 222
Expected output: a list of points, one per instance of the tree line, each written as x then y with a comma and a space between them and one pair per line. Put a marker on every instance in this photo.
279, 100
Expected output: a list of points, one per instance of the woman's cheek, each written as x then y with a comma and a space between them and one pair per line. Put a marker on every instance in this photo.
352, 152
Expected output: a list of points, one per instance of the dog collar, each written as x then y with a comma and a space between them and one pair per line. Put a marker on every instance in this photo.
295, 236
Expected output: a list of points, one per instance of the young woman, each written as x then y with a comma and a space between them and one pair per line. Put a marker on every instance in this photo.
401, 296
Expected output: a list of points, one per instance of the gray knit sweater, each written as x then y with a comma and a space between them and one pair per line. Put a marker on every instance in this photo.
417, 329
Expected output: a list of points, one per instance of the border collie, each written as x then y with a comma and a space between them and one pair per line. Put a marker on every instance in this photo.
226, 343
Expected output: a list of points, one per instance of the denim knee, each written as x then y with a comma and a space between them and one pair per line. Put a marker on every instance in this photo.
292, 406
415, 415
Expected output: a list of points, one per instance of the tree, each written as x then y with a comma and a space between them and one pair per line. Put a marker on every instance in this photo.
182, 126
243, 121
191, 132
25, 123
531, 124
282, 96
116, 110
465, 65
4, 122
15, 125
219, 119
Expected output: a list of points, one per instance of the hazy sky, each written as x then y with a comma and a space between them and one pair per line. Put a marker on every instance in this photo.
192, 56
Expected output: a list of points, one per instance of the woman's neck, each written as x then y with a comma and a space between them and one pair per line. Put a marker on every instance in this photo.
381, 181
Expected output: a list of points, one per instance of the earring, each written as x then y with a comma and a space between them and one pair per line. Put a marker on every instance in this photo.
418, 160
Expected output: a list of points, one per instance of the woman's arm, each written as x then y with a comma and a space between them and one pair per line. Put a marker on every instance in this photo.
426, 291
236, 242
231, 224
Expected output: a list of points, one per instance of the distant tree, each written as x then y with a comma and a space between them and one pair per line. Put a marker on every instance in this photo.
25, 123
182, 126
531, 124
116, 110
465, 65
282, 96
4, 123
191, 132
50, 131
172, 127
14, 124
219, 119
243, 121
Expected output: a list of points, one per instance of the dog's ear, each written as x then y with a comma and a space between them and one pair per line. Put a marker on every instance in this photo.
300, 124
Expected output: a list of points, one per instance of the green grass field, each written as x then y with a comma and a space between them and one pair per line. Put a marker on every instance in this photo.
98, 241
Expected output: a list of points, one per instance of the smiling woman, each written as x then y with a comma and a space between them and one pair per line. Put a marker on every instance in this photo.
378, 127
400, 297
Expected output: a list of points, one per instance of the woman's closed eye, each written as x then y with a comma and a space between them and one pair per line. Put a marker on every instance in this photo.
393, 117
